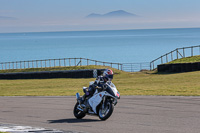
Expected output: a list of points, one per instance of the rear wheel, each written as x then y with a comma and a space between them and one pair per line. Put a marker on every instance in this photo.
106, 111
78, 113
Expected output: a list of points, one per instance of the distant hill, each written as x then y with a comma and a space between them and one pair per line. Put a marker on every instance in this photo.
113, 14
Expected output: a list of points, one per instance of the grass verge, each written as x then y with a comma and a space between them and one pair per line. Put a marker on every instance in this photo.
52, 69
139, 83
191, 59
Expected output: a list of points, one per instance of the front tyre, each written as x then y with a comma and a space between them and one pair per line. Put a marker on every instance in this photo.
77, 113
106, 111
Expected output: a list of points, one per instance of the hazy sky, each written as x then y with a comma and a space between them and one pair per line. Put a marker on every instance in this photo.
68, 15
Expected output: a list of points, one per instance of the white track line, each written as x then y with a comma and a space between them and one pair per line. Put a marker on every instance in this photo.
16, 128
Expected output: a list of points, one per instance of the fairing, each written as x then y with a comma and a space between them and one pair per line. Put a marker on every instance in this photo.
96, 99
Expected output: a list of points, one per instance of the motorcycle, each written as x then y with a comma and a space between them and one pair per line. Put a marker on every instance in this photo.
101, 103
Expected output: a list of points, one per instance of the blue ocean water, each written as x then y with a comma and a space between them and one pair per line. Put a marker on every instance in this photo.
120, 46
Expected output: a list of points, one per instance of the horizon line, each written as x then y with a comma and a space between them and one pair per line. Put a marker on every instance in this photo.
98, 30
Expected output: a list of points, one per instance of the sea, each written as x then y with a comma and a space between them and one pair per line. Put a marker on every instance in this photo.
117, 46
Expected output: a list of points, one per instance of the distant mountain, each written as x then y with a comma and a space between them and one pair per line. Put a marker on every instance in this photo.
113, 14
94, 15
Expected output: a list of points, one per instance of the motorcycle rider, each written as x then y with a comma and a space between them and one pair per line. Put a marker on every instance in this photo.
99, 84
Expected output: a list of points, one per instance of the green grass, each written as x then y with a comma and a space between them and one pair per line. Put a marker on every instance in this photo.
51, 69
187, 60
140, 83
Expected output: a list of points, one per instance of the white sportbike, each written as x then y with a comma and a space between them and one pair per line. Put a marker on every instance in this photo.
101, 103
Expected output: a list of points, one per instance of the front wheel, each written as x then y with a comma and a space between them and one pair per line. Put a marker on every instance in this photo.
106, 111
78, 113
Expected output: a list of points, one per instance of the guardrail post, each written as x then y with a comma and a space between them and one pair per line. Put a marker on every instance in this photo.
172, 55
177, 53
32, 64
74, 61
54, 62
49, 62
184, 52
45, 63
166, 58
191, 51
64, 62
59, 63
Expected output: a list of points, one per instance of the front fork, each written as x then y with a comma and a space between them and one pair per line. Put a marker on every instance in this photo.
104, 99
103, 105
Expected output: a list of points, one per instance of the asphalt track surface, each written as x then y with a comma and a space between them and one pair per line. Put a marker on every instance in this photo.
132, 114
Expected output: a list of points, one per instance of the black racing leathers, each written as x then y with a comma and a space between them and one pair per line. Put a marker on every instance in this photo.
98, 84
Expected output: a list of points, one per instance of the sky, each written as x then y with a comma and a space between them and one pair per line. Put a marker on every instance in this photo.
69, 15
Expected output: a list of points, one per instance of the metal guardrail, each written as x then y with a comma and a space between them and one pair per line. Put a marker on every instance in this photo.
129, 67
175, 54
135, 67
64, 62
56, 63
